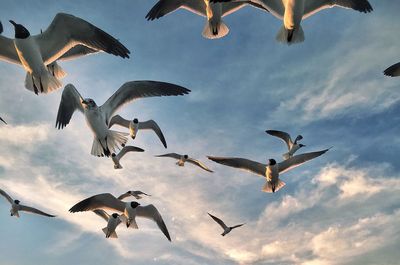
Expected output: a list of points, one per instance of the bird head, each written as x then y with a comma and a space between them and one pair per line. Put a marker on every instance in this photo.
134, 204
302, 145
88, 103
20, 31
16, 201
135, 121
185, 156
115, 215
271, 162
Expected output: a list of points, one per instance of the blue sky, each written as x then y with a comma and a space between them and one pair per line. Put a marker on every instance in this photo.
342, 208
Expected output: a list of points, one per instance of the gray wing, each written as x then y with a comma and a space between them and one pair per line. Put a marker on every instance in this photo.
152, 125
123, 196
219, 221
77, 51
171, 155
198, 163
70, 102
242, 163
151, 212
103, 214
138, 192
127, 149
104, 201
164, 7
298, 160
1, 119
282, 135
393, 70
5, 195
119, 121
236, 226
67, 31
140, 89
34, 210
231, 7
313, 6
7, 50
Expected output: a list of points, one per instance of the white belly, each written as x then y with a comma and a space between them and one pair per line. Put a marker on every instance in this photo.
294, 10
29, 55
96, 123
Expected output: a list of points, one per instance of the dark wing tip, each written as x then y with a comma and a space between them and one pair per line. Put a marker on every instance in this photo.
155, 12
111, 45
391, 71
1, 27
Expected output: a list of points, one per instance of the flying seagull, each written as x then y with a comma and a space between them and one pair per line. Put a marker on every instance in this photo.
214, 12
116, 158
16, 206
393, 70
292, 146
130, 210
271, 171
98, 117
1, 119
292, 12
36, 52
134, 126
182, 159
135, 193
226, 228
112, 222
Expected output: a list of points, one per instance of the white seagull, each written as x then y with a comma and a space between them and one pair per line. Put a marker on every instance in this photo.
129, 210
214, 12
135, 193
1, 119
292, 12
292, 146
271, 171
98, 117
393, 70
182, 159
16, 206
135, 125
112, 222
36, 52
116, 158
226, 228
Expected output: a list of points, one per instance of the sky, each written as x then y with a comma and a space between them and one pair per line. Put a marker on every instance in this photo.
341, 208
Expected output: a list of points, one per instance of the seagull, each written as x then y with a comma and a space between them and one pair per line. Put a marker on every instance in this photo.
98, 117
116, 158
393, 70
129, 210
16, 207
135, 193
292, 12
112, 222
214, 12
1, 119
134, 127
185, 158
34, 53
223, 225
271, 171
292, 146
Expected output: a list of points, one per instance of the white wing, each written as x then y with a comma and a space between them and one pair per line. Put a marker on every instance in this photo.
152, 125
242, 163
151, 212
104, 201
5, 195
140, 89
7, 50
313, 6
164, 7
199, 164
103, 214
119, 121
127, 149
171, 155
34, 210
285, 137
71, 101
298, 160
67, 31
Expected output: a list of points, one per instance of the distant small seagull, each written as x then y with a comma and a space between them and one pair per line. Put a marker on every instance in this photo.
292, 146
271, 171
134, 126
226, 228
130, 210
214, 12
98, 117
112, 222
135, 193
116, 158
393, 70
292, 12
16, 206
34, 53
182, 159
1, 119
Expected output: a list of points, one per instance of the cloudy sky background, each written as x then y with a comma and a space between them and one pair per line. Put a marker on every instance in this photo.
342, 208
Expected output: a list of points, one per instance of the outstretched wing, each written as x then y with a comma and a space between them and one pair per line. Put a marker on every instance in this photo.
140, 89
171, 155
314, 6
127, 149
198, 163
231, 7
242, 163
119, 121
71, 101
282, 135
152, 125
1, 119
393, 70
34, 210
164, 7
77, 51
104, 201
298, 160
151, 212
219, 221
7, 50
5, 195
236, 226
103, 214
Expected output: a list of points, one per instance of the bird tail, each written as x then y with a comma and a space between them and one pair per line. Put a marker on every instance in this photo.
288, 38
215, 30
105, 147
268, 186
55, 70
112, 235
44, 84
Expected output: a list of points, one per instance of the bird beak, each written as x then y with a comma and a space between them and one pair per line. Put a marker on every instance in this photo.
12, 22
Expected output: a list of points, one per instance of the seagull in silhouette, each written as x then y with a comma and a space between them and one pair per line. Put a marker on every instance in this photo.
182, 159
135, 193
292, 146
226, 228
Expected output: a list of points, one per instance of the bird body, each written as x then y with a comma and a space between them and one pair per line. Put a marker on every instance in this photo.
292, 146
227, 229
182, 159
112, 223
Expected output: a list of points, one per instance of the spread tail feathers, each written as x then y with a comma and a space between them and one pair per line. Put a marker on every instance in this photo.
55, 70
269, 188
215, 31
112, 235
107, 146
289, 37
44, 84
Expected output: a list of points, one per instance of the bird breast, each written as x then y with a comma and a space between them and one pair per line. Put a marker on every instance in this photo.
96, 122
294, 10
272, 173
29, 55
